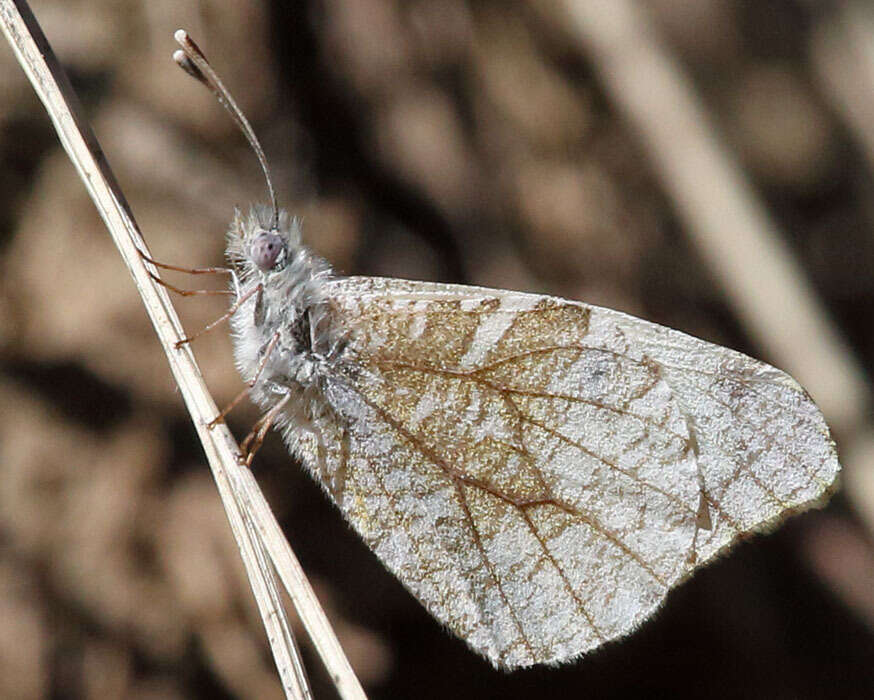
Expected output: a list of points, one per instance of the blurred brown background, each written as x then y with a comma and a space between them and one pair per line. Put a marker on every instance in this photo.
445, 140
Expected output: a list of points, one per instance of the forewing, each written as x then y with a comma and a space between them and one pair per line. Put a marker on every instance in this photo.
538, 471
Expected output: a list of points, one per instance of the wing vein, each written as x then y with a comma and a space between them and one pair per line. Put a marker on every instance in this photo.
457, 480
500, 389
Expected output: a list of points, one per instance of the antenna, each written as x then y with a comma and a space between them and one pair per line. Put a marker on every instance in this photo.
192, 60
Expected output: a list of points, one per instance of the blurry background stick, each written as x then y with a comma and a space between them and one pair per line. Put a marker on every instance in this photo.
842, 53
728, 223
725, 218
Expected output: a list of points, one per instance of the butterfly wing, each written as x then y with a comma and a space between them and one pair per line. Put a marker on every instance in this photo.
540, 472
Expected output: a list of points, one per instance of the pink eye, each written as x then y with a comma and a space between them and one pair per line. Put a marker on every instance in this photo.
265, 250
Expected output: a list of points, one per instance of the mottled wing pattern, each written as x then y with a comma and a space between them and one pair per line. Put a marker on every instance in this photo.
540, 472
764, 449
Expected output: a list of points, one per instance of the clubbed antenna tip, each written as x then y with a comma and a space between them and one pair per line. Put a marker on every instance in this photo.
192, 60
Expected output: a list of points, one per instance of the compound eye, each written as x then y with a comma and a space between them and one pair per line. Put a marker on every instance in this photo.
265, 250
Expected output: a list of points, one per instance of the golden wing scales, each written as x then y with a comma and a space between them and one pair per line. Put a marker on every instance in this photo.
533, 469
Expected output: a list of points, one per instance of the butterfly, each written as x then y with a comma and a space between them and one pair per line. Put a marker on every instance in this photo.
538, 472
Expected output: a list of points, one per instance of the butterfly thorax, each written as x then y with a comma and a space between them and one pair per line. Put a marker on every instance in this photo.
281, 317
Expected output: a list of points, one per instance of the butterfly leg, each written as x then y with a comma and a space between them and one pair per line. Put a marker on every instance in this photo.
224, 317
198, 292
190, 292
255, 438
187, 270
251, 383
190, 271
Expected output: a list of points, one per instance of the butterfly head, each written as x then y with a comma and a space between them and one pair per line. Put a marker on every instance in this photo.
262, 242
267, 250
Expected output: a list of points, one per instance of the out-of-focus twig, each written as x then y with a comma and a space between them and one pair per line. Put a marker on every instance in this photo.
724, 217
842, 55
728, 222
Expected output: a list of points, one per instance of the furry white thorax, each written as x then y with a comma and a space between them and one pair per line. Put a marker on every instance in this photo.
292, 303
